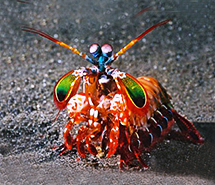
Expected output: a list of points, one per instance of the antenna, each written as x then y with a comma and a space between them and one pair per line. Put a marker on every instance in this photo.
74, 50
130, 44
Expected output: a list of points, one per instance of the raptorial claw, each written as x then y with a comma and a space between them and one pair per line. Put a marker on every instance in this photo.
68, 139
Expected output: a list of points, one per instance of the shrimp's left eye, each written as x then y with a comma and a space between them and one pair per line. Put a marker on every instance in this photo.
107, 50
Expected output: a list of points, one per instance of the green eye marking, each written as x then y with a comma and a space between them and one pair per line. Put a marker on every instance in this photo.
63, 86
135, 91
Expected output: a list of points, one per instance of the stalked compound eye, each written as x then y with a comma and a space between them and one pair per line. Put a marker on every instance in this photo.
107, 50
95, 50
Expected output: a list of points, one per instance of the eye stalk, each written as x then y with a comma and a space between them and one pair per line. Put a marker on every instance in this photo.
102, 54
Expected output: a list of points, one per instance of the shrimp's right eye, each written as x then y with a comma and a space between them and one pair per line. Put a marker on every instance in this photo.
95, 50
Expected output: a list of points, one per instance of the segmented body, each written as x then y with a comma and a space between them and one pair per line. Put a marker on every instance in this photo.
117, 113
110, 123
